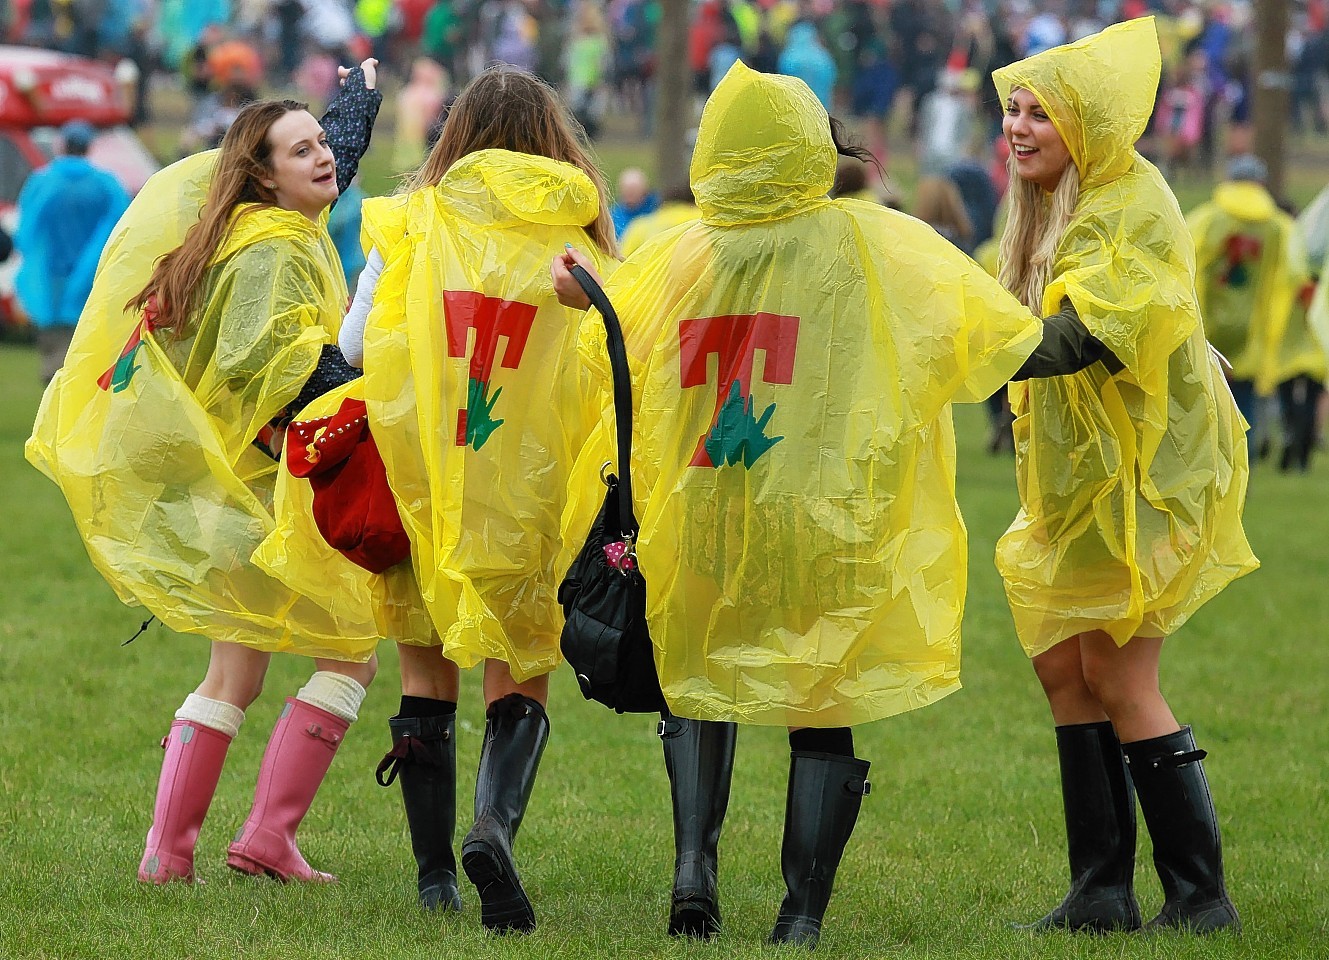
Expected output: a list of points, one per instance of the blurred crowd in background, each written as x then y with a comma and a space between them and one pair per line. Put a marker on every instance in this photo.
920, 63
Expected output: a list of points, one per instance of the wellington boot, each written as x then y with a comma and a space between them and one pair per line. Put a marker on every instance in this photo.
825, 793
424, 757
1179, 811
299, 752
190, 771
1100, 834
699, 757
516, 731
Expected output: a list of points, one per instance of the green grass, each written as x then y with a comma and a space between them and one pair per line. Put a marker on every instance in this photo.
962, 832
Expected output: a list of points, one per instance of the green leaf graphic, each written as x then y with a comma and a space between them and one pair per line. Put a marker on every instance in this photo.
737, 436
479, 407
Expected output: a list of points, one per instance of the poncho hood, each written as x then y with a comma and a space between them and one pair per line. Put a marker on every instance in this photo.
1245, 201
1099, 93
501, 186
764, 150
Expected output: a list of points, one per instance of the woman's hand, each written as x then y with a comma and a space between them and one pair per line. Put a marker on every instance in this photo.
566, 287
370, 67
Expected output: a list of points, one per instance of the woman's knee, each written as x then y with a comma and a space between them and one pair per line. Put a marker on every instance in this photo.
1118, 680
235, 674
361, 673
1060, 670
425, 672
499, 683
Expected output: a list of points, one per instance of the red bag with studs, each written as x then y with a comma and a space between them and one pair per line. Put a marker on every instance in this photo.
353, 504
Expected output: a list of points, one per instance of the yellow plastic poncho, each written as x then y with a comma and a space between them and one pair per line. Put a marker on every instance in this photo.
1295, 349
1249, 272
385, 606
1131, 485
477, 401
794, 361
148, 435
1317, 314
672, 213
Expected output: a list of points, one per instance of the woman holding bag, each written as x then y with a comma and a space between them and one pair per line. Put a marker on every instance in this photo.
799, 529
1132, 469
215, 298
476, 400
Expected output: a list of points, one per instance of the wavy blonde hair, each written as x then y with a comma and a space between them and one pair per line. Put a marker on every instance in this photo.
1035, 224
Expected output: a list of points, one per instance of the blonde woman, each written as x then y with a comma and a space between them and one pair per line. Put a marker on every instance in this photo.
1131, 462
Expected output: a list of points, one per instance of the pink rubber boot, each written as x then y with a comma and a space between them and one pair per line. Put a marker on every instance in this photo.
297, 758
190, 771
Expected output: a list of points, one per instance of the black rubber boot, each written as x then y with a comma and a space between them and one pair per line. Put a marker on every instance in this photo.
515, 734
699, 757
1100, 834
825, 793
1179, 811
424, 756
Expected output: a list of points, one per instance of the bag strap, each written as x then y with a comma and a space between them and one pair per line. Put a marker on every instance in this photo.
618, 365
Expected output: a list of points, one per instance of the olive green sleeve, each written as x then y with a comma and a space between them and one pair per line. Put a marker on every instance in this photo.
1068, 347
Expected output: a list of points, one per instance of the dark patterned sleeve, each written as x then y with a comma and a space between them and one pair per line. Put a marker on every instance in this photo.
348, 123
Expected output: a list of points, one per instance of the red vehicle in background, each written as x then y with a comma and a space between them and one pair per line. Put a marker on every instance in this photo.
39, 91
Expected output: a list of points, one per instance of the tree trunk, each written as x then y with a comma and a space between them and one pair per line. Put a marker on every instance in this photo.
673, 97
1271, 87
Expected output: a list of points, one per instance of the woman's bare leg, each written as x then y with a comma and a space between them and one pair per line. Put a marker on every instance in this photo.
1125, 681
499, 683
1061, 672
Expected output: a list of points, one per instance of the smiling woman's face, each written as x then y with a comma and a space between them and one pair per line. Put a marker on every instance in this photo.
303, 172
1040, 154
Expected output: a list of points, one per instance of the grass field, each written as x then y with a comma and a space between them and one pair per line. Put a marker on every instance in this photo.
962, 832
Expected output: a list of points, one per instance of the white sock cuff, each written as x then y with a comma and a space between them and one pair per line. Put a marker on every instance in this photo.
334, 692
215, 714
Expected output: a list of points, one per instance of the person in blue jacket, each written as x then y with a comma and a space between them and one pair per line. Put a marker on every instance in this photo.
65, 213
805, 57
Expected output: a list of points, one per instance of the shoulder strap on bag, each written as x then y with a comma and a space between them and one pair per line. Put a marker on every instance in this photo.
618, 364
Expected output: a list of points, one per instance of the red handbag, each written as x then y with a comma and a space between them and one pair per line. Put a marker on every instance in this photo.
353, 504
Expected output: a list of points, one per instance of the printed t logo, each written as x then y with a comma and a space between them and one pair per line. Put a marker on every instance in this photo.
1240, 251
490, 318
736, 436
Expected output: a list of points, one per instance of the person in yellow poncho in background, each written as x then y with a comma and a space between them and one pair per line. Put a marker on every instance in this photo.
214, 298
478, 405
794, 359
1249, 270
1132, 470
1300, 363
1305, 429
677, 207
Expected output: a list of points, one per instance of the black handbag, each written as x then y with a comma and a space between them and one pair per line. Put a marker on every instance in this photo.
605, 638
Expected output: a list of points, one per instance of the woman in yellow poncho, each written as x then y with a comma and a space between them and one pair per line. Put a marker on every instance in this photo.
478, 405
1248, 272
794, 360
161, 431
1131, 462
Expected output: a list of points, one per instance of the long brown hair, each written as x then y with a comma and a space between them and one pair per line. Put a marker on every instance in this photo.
505, 108
243, 164
937, 202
